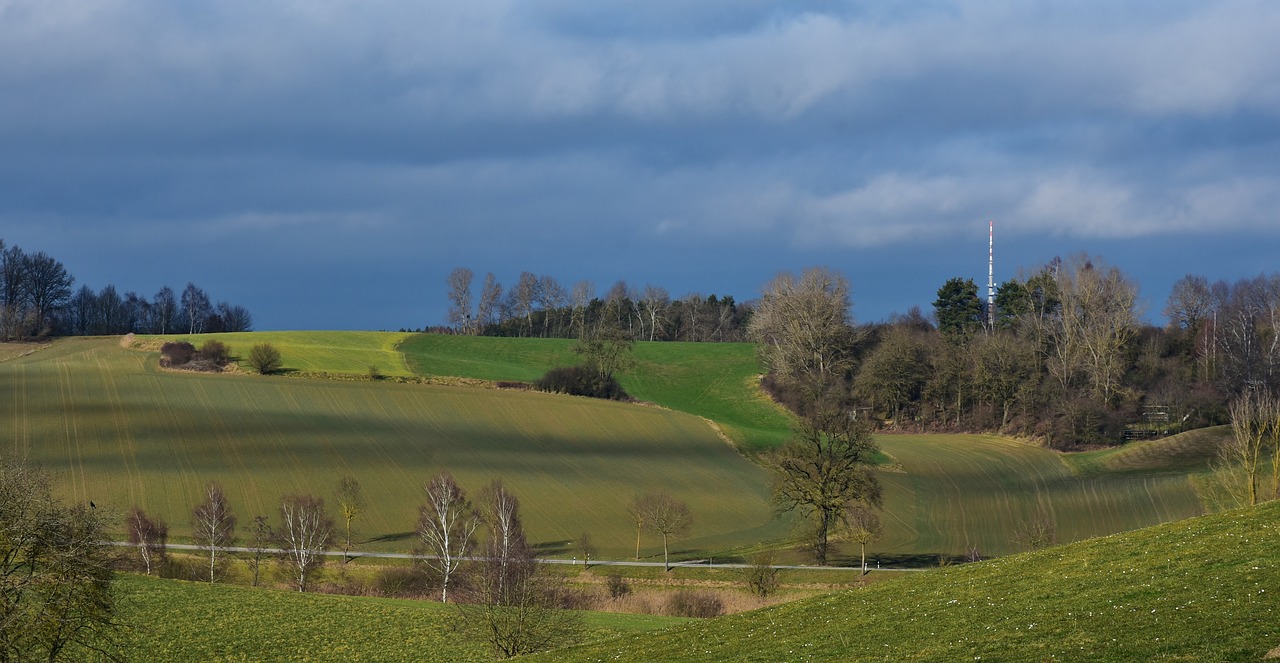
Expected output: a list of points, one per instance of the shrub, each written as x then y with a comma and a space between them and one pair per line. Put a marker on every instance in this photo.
617, 586
761, 577
581, 381
689, 603
216, 351
176, 353
264, 358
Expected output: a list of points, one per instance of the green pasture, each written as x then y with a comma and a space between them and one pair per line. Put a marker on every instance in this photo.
117, 430
173, 620
352, 352
1205, 589
957, 491
712, 380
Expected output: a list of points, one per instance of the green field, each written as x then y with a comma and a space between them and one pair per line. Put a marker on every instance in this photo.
956, 491
323, 352
173, 620
1206, 589
118, 430
712, 380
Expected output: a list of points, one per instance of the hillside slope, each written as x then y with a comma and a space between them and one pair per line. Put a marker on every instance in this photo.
116, 429
1204, 589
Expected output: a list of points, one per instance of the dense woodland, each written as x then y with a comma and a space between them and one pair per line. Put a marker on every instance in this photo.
1063, 356
38, 299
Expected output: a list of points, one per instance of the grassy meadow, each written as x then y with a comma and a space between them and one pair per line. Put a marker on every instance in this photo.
1204, 589
117, 430
174, 620
716, 381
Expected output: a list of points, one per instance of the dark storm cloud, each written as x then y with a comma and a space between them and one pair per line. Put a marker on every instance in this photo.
370, 147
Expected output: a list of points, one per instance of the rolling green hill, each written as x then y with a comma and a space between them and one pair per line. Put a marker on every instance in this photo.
116, 429
120, 431
173, 620
712, 380
1205, 589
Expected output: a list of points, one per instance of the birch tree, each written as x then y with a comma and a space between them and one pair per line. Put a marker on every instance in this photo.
460, 299
213, 524
446, 529
149, 536
667, 517
306, 531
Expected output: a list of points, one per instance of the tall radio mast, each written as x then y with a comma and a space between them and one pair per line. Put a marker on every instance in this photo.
991, 276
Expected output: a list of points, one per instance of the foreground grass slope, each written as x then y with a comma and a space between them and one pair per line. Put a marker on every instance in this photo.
173, 620
712, 380
1204, 589
116, 429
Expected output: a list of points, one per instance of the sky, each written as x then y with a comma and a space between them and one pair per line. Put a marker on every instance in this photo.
326, 164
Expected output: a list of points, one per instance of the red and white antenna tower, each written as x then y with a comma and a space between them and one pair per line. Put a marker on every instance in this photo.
991, 276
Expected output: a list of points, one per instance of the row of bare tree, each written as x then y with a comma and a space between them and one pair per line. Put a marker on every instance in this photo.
37, 300
541, 306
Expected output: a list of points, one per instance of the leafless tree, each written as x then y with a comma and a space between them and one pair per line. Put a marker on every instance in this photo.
802, 327
862, 524
667, 517
587, 547
490, 297
500, 510
654, 301
1253, 414
350, 498
761, 574
446, 527
580, 299
149, 536
1038, 531
195, 308
460, 299
638, 508
260, 537
213, 524
515, 605
306, 531
1096, 322
551, 298
522, 298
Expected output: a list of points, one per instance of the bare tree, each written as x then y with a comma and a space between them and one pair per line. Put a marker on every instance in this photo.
149, 536
213, 524
446, 527
305, 533
490, 297
500, 510
667, 517
1038, 531
460, 299
47, 288
823, 468
580, 299
164, 311
761, 574
260, 536
587, 547
862, 524
655, 301
1096, 321
802, 327
350, 497
638, 508
516, 605
1252, 416
195, 308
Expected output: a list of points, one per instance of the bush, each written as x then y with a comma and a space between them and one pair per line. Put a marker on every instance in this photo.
617, 586
688, 603
264, 358
176, 353
581, 381
216, 351
760, 576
